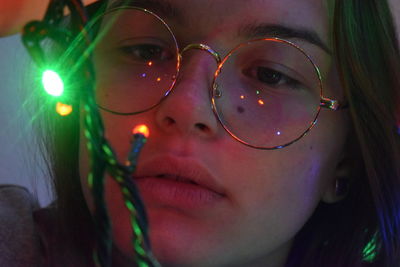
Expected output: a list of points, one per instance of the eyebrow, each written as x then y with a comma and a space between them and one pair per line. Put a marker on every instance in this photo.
161, 8
253, 31
250, 31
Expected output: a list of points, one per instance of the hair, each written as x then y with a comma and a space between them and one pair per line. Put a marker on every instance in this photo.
368, 59
366, 49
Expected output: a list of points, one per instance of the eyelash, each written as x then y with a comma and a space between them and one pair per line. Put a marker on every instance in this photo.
254, 73
136, 51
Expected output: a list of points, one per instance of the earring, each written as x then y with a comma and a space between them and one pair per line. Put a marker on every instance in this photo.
342, 187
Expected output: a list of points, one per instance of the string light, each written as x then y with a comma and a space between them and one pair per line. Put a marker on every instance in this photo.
63, 109
101, 154
141, 128
140, 134
52, 83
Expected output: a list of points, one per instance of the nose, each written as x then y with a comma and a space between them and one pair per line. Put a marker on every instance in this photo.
188, 110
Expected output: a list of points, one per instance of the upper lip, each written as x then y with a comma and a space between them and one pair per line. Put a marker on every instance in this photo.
171, 167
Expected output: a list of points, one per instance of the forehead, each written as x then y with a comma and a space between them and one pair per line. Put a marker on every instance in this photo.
207, 17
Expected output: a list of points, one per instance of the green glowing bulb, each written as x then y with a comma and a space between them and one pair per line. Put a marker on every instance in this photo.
52, 83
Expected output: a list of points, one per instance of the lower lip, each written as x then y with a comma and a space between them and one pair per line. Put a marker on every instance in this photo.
176, 194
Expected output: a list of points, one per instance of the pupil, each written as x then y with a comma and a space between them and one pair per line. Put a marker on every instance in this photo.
268, 76
148, 52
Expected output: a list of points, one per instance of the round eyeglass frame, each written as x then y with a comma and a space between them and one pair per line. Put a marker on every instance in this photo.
325, 102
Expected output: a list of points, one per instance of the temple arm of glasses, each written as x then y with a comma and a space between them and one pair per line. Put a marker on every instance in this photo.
332, 104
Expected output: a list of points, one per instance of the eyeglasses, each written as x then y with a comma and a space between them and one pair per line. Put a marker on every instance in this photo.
266, 93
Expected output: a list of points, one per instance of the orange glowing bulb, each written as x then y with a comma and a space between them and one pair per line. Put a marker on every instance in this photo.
63, 109
242, 97
150, 63
143, 129
261, 102
158, 79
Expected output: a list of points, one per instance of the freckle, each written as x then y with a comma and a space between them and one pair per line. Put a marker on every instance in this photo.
240, 109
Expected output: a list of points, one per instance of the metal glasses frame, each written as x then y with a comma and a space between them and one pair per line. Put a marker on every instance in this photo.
325, 102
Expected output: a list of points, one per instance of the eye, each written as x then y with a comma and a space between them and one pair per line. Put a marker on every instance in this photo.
146, 52
269, 76
274, 78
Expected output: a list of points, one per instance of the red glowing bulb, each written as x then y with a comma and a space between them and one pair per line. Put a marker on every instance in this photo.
141, 128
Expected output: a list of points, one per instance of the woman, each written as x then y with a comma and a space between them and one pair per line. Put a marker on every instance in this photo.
269, 195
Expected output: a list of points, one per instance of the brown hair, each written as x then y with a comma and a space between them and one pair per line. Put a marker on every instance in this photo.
366, 49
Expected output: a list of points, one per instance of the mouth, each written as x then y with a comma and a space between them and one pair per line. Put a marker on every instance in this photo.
184, 170
176, 178
161, 192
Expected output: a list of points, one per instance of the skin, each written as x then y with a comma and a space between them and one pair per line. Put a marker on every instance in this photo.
270, 195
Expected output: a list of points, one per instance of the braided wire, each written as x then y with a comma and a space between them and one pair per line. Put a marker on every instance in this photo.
102, 154
102, 157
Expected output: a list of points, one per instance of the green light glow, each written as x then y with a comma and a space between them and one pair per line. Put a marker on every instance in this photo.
52, 83
369, 252
90, 179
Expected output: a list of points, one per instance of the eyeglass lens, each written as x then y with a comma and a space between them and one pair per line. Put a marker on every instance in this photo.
268, 92
135, 61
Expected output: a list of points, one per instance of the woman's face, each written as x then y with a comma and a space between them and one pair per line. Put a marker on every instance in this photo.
259, 199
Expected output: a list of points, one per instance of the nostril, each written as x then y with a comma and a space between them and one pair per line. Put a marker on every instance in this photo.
169, 121
202, 127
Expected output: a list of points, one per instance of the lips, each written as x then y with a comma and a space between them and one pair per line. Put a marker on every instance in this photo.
183, 170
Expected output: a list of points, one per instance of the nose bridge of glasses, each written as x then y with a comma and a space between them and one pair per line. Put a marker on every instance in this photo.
205, 48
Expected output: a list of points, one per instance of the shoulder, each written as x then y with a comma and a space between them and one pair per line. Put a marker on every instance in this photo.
19, 241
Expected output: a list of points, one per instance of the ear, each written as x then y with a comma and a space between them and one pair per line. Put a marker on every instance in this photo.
347, 169
338, 187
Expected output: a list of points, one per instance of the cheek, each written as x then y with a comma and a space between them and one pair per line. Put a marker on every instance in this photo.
275, 192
